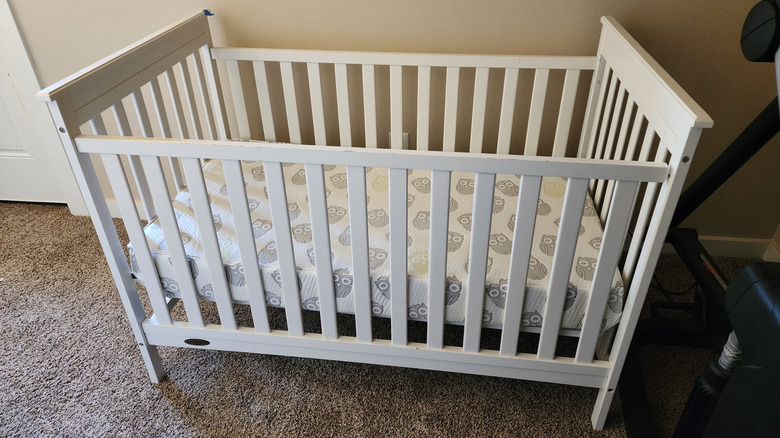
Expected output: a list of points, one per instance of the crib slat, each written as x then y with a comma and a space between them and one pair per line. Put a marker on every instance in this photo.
246, 243
522, 240
317, 113
116, 175
208, 236
264, 99
178, 111
399, 186
478, 109
437, 256
369, 105
633, 140
135, 163
478, 253
189, 94
541, 78
614, 232
423, 106
342, 102
318, 208
593, 109
239, 103
290, 103
165, 129
203, 87
358, 226
571, 217
214, 90
609, 146
507, 110
173, 239
396, 107
142, 113
617, 153
451, 108
564, 114
280, 218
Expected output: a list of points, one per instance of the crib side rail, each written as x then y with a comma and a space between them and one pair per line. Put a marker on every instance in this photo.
478, 103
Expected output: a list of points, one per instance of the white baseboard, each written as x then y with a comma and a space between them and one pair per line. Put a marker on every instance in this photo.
762, 249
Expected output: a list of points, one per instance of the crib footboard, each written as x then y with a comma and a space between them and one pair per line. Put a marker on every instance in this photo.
639, 131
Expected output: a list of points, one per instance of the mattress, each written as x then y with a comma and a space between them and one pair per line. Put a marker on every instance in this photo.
549, 209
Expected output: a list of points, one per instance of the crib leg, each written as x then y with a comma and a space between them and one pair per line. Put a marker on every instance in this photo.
603, 402
152, 362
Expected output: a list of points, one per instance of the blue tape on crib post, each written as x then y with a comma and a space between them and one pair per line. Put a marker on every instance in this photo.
208, 13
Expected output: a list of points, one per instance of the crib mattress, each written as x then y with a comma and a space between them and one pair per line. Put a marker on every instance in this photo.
504, 205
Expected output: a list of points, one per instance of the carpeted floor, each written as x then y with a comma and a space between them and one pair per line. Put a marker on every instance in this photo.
70, 367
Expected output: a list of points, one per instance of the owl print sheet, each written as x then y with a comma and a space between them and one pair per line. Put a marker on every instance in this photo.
460, 213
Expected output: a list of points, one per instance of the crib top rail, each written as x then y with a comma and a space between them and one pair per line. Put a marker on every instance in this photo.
98, 86
385, 158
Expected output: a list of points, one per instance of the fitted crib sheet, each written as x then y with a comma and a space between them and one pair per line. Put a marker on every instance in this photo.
461, 200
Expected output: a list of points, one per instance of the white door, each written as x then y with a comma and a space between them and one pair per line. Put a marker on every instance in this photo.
33, 166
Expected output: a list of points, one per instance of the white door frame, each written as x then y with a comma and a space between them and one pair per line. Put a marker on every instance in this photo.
51, 151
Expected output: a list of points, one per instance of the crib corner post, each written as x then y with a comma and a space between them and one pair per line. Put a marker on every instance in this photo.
603, 401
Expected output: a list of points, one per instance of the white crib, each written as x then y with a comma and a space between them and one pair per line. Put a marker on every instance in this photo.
429, 138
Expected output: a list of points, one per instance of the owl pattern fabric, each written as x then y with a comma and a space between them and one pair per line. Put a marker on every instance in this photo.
458, 241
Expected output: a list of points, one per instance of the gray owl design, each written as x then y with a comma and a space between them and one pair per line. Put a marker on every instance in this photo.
488, 267
185, 238
590, 209
339, 180
260, 227
217, 222
312, 256
343, 281
543, 208
268, 254
465, 186
302, 233
235, 274
418, 311
497, 293
193, 267
487, 316
336, 213
500, 243
536, 269
383, 286
595, 243
422, 221
511, 223
207, 291
453, 204
531, 319
252, 204
454, 289
378, 218
508, 188
581, 231
312, 303
277, 276
293, 210
586, 266
377, 309
615, 300
258, 173
422, 184
547, 245
498, 204
571, 296
272, 299
465, 220
376, 257
224, 191
409, 200
345, 238
454, 241
328, 167
299, 178
170, 286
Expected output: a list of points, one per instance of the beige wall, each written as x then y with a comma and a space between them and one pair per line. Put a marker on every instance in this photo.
696, 41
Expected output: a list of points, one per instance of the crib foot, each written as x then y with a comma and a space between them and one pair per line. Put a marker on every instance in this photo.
603, 402
153, 362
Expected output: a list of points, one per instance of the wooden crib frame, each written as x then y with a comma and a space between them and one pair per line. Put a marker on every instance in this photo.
633, 108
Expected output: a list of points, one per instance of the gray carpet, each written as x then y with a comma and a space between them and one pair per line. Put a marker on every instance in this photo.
70, 367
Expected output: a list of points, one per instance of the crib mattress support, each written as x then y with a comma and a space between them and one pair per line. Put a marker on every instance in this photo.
381, 352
